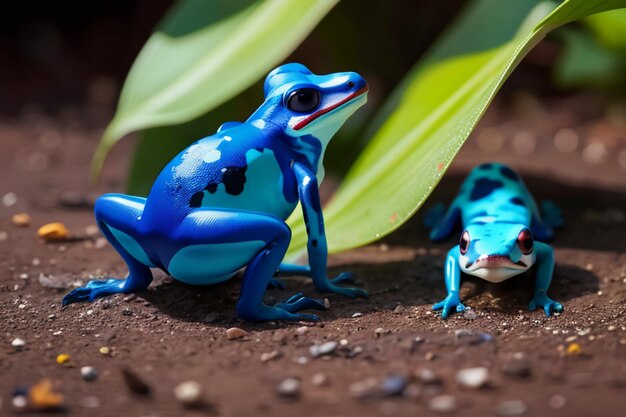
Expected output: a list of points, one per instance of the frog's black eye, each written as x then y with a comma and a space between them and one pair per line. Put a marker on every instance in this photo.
303, 100
525, 241
464, 242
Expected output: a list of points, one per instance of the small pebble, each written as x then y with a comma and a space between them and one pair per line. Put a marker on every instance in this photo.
3, 235
355, 315
320, 379
365, 389
52, 232
21, 219
380, 331
63, 359
573, 349
20, 401
323, 349
302, 330
89, 373
473, 377
289, 387
105, 350
189, 393
557, 402
235, 333
427, 376
511, 408
442, 403
9, 199
268, 356
469, 314
18, 344
393, 385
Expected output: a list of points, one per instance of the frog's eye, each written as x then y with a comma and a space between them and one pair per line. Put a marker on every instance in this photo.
525, 241
464, 242
303, 100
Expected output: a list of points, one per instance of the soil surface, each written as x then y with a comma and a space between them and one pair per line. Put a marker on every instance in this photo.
394, 356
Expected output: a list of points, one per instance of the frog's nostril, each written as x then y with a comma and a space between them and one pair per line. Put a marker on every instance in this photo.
350, 84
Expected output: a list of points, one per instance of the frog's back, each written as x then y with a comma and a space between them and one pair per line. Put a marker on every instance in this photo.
240, 168
494, 192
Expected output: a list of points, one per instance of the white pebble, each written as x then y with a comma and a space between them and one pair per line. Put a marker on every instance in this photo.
302, 330
89, 373
289, 387
319, 379
442, 403
20, 401
18, 344
357, 314
473, 377
323, 349
595, 153
9, 199
188, 393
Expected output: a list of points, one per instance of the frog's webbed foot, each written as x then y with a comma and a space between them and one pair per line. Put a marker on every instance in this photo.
329, 286
449, 305
541, 300
344, 277
299, 302
94, 290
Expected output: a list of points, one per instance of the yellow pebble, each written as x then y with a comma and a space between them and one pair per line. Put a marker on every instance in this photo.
573, 349
53, 232
105, 350
21, 219
63, 359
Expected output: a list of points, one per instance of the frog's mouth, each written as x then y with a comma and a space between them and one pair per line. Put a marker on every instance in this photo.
495, 261
304, 122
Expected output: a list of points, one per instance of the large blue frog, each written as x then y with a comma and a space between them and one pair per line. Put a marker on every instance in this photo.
221, 204
504, 234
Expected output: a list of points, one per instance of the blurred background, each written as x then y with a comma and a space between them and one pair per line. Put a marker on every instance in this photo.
63, 65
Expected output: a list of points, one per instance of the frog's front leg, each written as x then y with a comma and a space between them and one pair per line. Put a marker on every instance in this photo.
452, 302
545, 268
220, 241
308, 193
117, 216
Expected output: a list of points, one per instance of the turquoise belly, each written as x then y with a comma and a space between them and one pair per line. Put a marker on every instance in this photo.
212, 263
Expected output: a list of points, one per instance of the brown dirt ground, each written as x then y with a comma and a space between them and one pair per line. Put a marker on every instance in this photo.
174, 332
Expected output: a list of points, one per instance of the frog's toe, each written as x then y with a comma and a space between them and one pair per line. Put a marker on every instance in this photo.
277, 283
448, 306
552, 306
94, 290
344, 277
299, 302
351, 292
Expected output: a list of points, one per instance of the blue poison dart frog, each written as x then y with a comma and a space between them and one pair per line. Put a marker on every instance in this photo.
503, 235
221, 204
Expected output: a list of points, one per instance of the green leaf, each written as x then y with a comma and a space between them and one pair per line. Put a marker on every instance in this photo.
585, 62
438, 108
194, 62
609, 28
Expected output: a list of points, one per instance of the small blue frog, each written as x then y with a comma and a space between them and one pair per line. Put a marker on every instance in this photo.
503, 234
221, 204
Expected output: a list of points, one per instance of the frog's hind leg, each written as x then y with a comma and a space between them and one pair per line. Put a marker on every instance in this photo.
117, 216
219, 237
